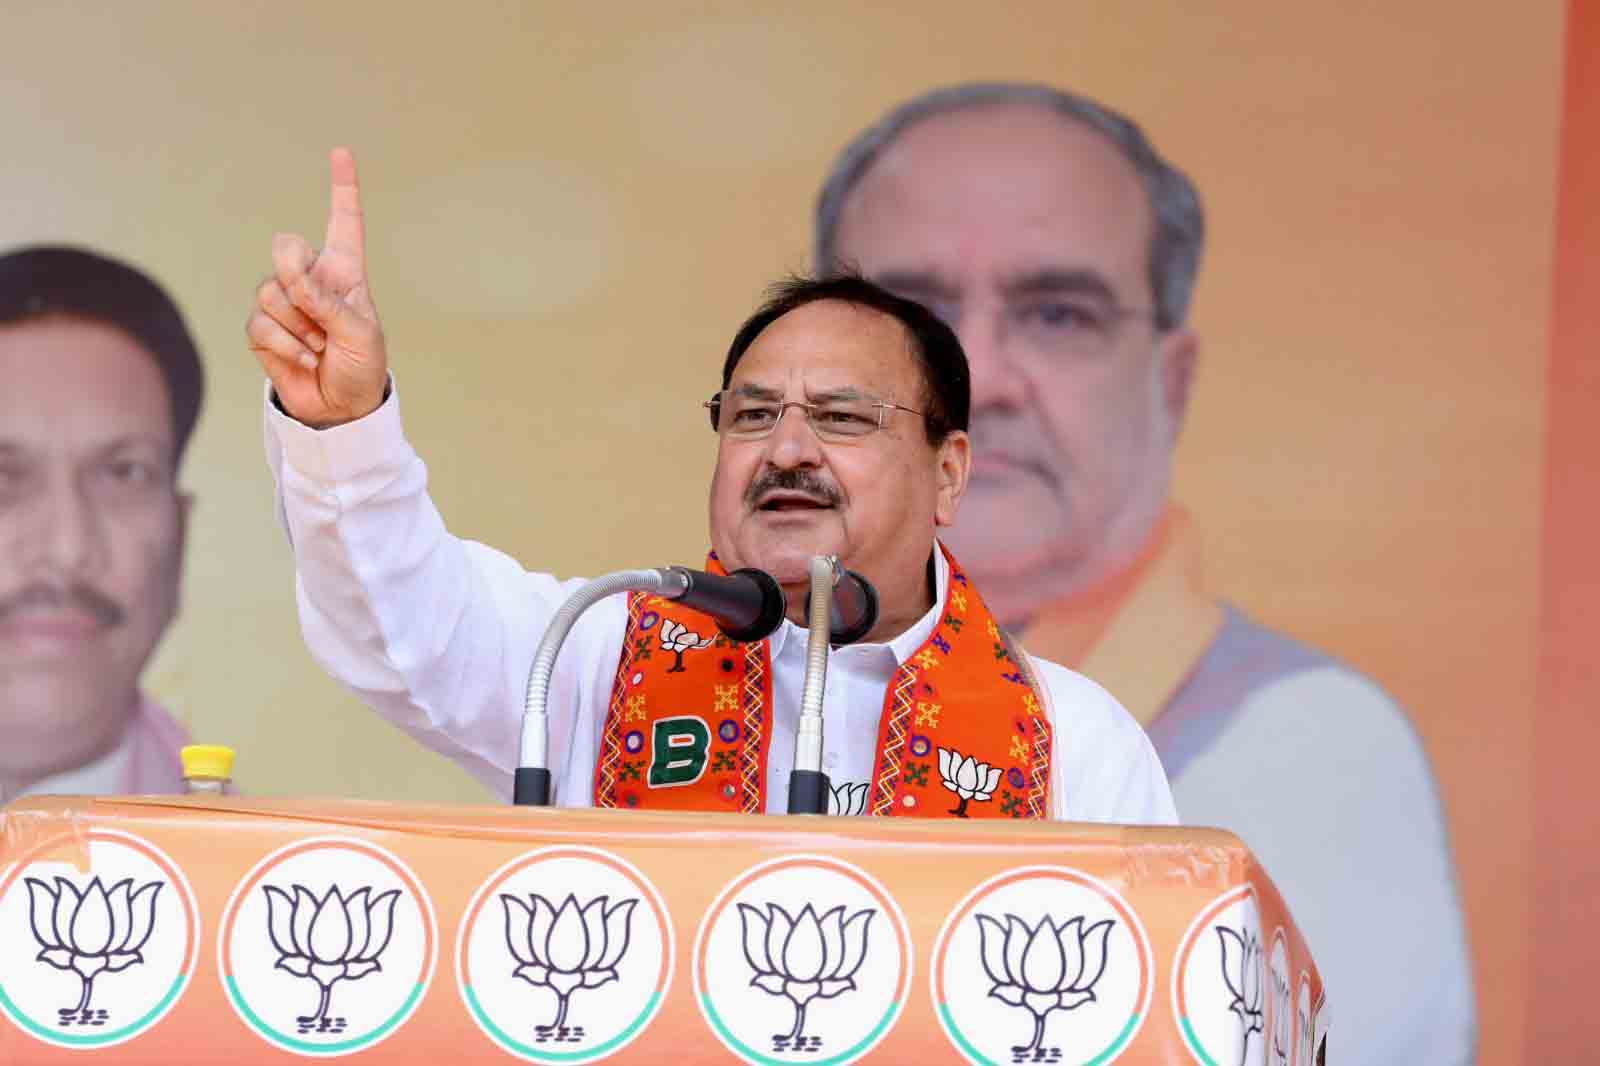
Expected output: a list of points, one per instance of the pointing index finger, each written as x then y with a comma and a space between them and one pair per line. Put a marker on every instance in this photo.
346, 226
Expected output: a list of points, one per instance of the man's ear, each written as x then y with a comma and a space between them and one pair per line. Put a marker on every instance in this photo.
185, 507
955, 467
1177, 354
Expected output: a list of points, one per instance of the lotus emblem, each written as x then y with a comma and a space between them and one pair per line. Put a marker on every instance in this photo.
336, 938
677, 638
1241, 972
1282, 1024
91, 932
967, 778
567, 948
1052, 966
804, 958
848, 799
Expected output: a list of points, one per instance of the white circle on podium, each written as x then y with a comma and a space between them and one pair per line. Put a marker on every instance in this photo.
1219, 982
95, 955
327, 946
803, 959
1042, 964
565, 955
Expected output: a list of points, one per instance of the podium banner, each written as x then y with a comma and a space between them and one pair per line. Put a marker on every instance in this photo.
189, 930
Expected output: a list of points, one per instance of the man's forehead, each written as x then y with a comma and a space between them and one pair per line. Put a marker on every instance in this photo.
842, 385
825, 345
70, 378
998, 193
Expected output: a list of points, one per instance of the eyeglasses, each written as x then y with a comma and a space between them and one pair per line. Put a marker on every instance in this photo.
742, 416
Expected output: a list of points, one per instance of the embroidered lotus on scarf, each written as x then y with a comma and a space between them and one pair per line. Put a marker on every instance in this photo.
569, 947
91, 932
678, 639
804, 958
336, 938
1050, 967
967, 778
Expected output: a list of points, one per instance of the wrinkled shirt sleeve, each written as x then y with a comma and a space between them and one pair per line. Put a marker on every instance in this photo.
435, 632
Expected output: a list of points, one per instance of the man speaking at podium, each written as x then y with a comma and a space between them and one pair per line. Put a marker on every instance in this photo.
842, 430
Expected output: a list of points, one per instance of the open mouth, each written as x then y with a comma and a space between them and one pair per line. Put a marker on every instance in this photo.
780, 501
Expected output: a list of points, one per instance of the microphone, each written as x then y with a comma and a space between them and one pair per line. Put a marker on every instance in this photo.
853, 611
747, 604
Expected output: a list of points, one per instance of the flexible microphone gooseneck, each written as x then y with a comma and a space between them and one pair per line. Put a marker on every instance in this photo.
842, 607
747, 605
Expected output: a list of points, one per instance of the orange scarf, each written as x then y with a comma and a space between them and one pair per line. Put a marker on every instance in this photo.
963, 732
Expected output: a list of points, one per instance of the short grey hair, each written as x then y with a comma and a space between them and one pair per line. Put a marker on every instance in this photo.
1179, 236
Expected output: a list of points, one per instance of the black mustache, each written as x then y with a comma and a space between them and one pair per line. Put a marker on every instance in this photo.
791, 480
104, 609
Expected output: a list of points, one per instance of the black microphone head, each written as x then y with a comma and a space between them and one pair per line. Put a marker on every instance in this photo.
774, 605
855, 609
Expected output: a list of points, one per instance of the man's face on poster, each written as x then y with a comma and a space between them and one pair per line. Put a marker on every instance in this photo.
91, 536
1029, 233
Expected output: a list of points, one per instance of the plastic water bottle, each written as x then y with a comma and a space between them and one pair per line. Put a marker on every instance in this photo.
207, 768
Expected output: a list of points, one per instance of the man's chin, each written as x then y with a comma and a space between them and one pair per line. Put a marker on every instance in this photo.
992, 550
54, 721
790, 563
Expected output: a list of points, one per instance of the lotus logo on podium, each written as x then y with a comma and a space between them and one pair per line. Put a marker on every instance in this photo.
90, 933
1280, 1009
1042, 964
1241, 972
1051, 967
564, 955
1219, 982
92, 959
567, 948
802, 959
337, 938
327, 946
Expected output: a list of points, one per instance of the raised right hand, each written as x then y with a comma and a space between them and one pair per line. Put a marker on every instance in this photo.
315, 329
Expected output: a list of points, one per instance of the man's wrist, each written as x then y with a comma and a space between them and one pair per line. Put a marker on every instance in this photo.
272, 394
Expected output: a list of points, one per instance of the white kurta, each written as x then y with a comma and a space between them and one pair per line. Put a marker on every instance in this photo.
438, 633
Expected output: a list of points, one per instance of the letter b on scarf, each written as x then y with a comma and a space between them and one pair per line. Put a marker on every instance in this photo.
679, 746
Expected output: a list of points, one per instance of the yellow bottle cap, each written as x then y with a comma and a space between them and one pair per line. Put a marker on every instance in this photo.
212, 761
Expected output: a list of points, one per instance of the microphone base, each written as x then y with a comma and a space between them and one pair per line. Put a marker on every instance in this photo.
808, 792
531, 787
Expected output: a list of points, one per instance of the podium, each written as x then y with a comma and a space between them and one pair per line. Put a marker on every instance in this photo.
222, 930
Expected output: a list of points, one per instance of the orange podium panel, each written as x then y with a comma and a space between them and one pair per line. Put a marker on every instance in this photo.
146, 930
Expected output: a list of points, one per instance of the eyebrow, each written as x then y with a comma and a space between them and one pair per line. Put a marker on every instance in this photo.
1046, 281
843, 392
766, 392
758, 392
131, 442
1060, 282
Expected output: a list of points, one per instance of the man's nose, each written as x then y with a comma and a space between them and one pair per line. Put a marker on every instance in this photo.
64, 531
793, 442
997, 380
